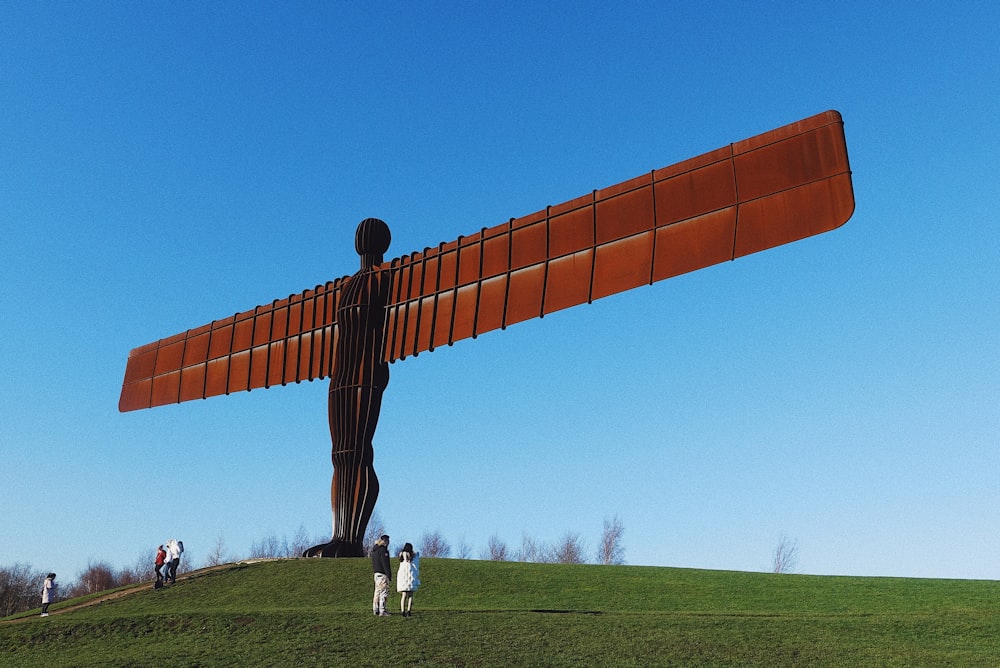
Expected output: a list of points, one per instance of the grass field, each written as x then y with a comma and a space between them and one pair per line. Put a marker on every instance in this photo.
317, 612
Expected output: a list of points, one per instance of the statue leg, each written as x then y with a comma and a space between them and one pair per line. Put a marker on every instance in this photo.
354, 488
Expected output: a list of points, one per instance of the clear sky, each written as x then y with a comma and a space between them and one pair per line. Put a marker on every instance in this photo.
163, 165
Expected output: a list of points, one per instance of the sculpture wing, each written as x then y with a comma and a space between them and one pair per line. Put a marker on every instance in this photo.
287, 340
769, 190
772, 189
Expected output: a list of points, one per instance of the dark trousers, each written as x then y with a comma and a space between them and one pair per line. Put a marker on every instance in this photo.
172, 570
159, 575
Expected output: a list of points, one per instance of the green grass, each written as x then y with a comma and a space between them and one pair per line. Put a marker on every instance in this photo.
316, 612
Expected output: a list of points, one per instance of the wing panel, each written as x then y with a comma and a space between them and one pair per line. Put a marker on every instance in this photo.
623, 264
258, 366
528, 245
243, 334
791, 162
216, 379
492, 299
623, 215
136, 394
694, 243
169, 357
496, 252
692, 193
448, 268
794, 214
524, 299
445, 311
426, 317
192, 383
572, 231
464, 318
239, 372
294, 316
569, 280
291, 360
262, 326
196, 349
221, 342
276, 362
166, 388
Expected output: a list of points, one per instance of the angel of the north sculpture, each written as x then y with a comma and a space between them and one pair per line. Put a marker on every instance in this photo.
772, 189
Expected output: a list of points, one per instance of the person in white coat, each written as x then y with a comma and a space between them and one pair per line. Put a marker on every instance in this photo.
407, 578
49, 588
175, 548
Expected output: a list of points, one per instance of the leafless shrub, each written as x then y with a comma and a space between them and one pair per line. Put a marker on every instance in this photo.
496, 550
97, 577
217, 555
786, 556
570, 550
433, 544
141, 570
300, 542
462, 550
611, 551
533, 551
268, 547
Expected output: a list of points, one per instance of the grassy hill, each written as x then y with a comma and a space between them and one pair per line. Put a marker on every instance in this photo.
313, 612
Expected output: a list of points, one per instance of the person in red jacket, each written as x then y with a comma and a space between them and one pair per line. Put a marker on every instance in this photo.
161, 557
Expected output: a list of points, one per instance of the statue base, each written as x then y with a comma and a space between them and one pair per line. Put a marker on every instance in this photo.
335, 548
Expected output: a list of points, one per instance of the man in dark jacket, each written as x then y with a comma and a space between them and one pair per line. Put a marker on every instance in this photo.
383, 575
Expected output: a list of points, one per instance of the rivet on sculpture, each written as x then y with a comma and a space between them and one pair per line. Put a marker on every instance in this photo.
772, 189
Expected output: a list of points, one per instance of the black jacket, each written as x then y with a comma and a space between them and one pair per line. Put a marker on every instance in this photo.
380, 561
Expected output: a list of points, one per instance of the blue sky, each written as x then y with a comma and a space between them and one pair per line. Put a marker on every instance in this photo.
164, 166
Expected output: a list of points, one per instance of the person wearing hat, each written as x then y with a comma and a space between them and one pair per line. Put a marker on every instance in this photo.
383, 575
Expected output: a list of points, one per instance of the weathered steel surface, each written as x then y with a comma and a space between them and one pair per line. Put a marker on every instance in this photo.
772, 189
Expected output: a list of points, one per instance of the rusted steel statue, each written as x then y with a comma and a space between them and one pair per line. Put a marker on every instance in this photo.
772, 189
360, 375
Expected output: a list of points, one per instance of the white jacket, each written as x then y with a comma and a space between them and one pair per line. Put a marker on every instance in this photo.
408, 576
174, 549
49, 591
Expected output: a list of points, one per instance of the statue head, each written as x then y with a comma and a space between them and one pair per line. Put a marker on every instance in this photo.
371, 241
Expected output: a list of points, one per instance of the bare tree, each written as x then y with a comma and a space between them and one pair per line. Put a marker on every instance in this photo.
462, 550
217, 556
786, 556
533, 551
268, 547
570, 550
301, 542
496, 549
19, 589
97, 577
376, 529
141, 570
434, 545
611, 551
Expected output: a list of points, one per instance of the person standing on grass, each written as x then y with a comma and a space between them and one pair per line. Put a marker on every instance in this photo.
175, 549
383, 575
161, 558
407, 578
49, 588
